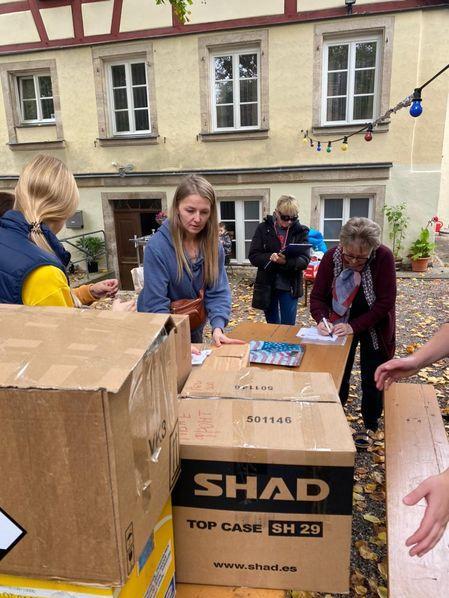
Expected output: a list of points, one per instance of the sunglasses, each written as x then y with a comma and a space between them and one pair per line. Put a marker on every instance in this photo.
286, 218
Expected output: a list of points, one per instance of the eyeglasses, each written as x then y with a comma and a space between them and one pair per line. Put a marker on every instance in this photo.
286, 218
356, 258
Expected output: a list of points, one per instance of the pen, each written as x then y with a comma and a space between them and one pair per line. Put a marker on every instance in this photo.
328, 328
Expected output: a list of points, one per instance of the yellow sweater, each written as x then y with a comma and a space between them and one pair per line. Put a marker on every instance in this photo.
47, 285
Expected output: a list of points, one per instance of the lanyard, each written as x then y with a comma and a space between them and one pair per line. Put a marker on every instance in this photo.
282, 240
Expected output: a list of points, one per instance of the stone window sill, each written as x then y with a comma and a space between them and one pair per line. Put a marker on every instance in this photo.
34, 125
347, 129
234, 135
37, 145
131, 140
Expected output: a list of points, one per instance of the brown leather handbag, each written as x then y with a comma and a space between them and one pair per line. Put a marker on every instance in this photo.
194, 308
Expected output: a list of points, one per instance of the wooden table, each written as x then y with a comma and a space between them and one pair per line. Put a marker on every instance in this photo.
317, 358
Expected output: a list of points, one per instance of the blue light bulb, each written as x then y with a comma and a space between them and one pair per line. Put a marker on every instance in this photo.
318, 147
416, 108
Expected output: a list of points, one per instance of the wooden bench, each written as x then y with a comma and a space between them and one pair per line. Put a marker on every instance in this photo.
416, 448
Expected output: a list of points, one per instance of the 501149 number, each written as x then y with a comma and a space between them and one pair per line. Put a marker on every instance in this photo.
259, 419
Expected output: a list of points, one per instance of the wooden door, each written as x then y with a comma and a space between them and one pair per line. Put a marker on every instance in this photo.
127, 224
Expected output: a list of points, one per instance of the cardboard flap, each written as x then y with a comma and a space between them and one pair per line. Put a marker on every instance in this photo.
54, 347
253, 383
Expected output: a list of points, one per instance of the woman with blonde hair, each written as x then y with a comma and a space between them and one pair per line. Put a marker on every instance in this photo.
354, 293
32, 259
184, 261
278, 283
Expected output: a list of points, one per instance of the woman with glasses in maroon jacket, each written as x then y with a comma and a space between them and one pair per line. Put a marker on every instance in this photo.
354, 293
278, 282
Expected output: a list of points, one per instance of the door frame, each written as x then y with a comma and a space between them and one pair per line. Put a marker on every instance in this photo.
107, 202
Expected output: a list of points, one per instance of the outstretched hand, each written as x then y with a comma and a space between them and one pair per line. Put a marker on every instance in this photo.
436, 492
219, 338
104, 288
118, 305
393, 370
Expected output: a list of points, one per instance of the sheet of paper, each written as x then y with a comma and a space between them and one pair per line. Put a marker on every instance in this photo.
312, 335
199, 359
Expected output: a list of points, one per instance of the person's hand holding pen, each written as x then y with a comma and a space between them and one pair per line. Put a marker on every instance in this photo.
325, 328
278, 258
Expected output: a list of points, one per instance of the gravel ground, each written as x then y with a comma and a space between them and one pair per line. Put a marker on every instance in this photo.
421, 309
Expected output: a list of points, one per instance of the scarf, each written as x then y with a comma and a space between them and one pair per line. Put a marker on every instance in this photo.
345, 287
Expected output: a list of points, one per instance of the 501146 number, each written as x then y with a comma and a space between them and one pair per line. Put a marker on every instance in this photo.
264, 419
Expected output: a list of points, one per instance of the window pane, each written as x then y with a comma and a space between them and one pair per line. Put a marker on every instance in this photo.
118, 75
248, 90
48, 110
336, 109
251, 210
29, 110
140, 97
138, 74
336, 83
332, 229
359, 206
331, 244
248, 65
364, 81
333, 208
248, 115
121, 121
250, 229
120, 99
225, 116
27, 88
365, 54
363, 107
227, 211
223, 92
338, 57
223, 67
247, 246
142, 121
45, 88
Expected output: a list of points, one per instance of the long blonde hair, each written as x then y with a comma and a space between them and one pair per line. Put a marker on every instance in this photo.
46, 191
208, 237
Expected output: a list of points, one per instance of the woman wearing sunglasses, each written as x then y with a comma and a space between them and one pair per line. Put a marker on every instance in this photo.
355, 293
278, 282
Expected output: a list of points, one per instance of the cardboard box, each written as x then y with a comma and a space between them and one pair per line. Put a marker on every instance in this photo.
88, 422
153, 575
226, 357
183, 352
265, 493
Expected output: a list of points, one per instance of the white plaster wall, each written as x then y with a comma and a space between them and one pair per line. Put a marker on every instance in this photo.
97, 17
219, 10
18, 28
58, 22
144, 14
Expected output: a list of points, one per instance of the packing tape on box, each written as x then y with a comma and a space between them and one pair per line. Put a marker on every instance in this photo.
148, 419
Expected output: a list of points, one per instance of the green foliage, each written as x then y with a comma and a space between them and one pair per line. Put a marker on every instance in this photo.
92, 247
181, 8
422, 247
398, 222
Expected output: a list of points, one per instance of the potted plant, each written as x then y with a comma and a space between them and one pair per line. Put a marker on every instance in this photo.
398, 222
421, 250
93, 248
160, 217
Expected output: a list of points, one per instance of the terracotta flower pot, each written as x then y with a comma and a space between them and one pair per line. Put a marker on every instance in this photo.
420, 265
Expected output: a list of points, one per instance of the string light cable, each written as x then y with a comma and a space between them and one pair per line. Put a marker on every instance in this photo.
413, 100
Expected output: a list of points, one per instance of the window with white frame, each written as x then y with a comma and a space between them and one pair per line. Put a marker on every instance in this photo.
128, 97
235, 92
335, 211
351, 80
242, 217
36, 98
